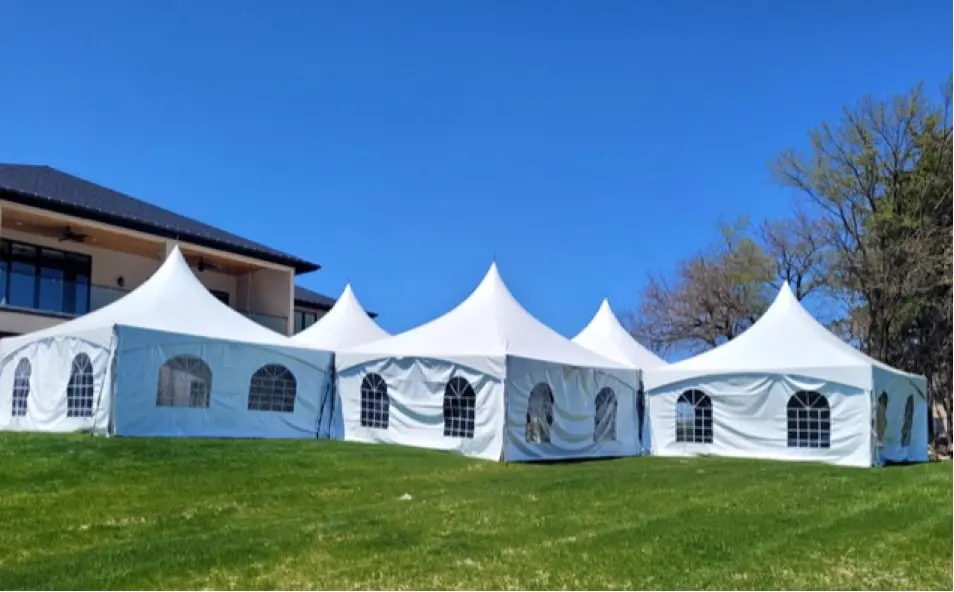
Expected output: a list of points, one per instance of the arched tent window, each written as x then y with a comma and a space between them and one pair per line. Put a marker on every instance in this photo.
79, 390
375, 404
881, 418
184, 381
908, 421
694, 417
460, 406
539, 414
273, 388
604, 421
809, 420
21, 388
640, 409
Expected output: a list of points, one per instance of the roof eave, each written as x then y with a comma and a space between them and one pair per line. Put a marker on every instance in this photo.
299, 266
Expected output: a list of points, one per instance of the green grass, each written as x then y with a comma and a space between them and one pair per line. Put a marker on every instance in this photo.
78, 512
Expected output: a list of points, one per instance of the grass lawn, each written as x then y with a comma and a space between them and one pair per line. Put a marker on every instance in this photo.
78, 512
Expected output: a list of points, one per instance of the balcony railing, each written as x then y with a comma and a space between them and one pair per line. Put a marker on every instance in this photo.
100, 296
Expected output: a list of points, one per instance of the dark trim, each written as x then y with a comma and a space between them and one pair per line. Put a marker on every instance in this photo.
43, 203
323, 307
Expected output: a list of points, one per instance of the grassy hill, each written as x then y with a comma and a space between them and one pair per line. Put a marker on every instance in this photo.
78, 512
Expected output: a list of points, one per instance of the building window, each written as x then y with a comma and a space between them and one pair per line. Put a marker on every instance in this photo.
38, 278
908, 421
694, 417
539, 414
272, 388
881, 418
460, 406
809, 421
21, 388
184, 381
375, 404
604, 422
79, 390
304, 319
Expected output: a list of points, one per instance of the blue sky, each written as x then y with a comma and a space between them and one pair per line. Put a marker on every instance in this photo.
404, 145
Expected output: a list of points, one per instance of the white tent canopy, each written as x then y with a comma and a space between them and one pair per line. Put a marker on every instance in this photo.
166, 359
521, 390
607, 337
347, 324
788, 388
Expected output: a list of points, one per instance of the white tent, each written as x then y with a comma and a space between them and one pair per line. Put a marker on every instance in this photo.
488, 380
347, 324
789, 389
607, 337
167, 359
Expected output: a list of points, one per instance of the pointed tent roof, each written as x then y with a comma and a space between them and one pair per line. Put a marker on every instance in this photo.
489, 323
346, 324
787, 338
607, 337
172, 300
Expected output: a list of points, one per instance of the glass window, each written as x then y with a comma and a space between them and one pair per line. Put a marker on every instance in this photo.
22, 284
44, 279
51, 289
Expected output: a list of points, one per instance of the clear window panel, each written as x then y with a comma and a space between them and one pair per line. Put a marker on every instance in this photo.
51, 289
81, 295
22, 284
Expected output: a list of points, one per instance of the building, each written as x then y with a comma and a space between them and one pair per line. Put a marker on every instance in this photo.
69, 246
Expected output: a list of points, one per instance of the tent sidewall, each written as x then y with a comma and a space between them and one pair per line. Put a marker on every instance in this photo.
141, 353
574, 392
51, 360
750, 418
416, 388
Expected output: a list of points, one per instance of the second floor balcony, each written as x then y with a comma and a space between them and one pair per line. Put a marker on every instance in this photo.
69, 298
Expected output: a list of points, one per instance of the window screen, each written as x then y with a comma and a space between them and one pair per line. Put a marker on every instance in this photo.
273, 388
694, 417
809, 421
184, 381
375, 405
79, 390
21, 388
604, 422
539, 414
460, 404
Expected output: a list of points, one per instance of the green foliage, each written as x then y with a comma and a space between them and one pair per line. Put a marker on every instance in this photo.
89, 513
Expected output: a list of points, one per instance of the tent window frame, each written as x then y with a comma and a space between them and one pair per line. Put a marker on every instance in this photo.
460, 408
880, 418
80, 390
808, 415
906, 429
697, 428
21, 388
375, 402
184, 381
273, 387
604, 422
540, 408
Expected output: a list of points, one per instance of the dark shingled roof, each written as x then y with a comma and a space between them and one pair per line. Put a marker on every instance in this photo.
50, 189
312, 298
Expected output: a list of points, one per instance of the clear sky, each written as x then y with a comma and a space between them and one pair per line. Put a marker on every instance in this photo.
405, 144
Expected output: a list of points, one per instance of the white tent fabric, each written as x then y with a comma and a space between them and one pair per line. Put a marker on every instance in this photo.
489, 380
787, 388
347, 324
606, 336
167, 359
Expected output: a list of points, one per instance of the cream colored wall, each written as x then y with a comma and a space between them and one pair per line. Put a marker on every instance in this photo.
110, 265
270, 292
21, 322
